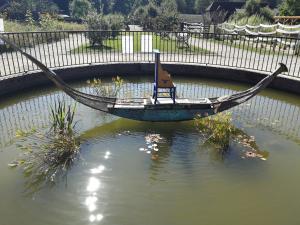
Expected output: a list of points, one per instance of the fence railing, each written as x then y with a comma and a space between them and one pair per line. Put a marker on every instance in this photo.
69, 48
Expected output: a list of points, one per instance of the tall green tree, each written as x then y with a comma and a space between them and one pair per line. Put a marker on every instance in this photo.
80, 8
252, 7
201, 5
290, 8
122, 6
18, 9
181, 5
190, 5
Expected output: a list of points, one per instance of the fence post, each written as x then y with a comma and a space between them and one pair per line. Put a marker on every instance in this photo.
1, 29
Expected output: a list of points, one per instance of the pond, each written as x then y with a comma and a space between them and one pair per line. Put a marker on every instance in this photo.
187, 182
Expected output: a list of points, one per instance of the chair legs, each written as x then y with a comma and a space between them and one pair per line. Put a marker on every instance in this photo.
172, 93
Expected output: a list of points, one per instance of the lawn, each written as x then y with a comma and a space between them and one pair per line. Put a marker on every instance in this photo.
262, 48
162, 44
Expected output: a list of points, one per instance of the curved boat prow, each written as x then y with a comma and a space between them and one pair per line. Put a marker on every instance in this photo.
93, 101
226, 102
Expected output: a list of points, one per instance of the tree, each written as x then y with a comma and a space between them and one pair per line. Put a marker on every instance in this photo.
157, 17
181, 5
80, 8
252, 7
167, 18
18, 9
190, 5
201, 5
116, 23
122, 6
290, 8
99, 23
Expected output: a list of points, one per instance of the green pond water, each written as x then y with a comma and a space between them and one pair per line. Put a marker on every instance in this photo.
115, 183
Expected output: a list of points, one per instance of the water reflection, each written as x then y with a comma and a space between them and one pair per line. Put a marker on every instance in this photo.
93, 188
272, 111
93, 184
94, 218
98, 169
107, 154
92, 199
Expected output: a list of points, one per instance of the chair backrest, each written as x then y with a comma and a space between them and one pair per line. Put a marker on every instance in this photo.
162, 78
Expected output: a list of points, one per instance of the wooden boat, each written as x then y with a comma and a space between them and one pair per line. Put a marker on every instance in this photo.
163, 109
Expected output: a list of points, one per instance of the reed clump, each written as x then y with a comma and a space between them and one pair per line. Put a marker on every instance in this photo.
48, 155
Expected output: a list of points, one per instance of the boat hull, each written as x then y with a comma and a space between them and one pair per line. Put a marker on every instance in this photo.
161, 115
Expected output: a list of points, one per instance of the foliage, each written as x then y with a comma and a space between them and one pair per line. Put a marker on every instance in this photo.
290, 8
219, 131
80, 8
216, 129
157, 17
215, 17
267, 14
106, 90
97, 22
46, 23
122, 6
116, 23
252, 7
201, 5
253, 14
18, 9
181, 5
63, 118
47, 156
252, 20
168, 16
101, 22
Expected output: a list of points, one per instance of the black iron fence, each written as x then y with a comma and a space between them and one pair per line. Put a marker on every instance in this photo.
69, 48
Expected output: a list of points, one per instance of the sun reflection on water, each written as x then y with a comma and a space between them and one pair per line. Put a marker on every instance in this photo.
93, 187
107, 154
94, 218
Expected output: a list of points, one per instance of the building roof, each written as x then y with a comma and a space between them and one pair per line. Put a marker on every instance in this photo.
191, 18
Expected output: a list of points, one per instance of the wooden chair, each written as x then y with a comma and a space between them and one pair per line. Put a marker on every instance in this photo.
163, 83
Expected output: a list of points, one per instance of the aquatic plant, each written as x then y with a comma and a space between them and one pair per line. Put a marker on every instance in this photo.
219, 131
48, 155
62, 118
106, 90
216, 129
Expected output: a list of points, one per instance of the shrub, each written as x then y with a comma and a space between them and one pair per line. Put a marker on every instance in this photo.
252, 7
289, 8
116, 23
47, 23
251, 20
253, 14
267, 13
97, 22
157, 17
